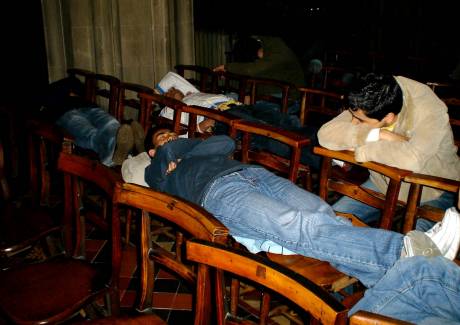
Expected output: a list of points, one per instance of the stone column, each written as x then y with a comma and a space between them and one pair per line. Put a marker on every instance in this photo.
54, 39
185, 43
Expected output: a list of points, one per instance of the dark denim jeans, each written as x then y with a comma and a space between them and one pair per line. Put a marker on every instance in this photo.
93, 128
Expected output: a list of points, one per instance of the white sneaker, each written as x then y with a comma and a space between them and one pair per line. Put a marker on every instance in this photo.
416, 243
446, 234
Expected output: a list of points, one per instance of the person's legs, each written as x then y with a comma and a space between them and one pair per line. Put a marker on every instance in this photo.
104, 141
445, 201
363, 211
255, 203
92, 129
418, 289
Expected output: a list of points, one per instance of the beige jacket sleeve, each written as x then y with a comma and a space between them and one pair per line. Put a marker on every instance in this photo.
341, 134
426, 131
426, 142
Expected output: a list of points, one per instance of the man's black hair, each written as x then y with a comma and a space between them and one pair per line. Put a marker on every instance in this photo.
148, 140
376, 95
245, 49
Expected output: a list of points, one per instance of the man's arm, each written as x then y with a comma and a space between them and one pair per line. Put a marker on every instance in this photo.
169, 155
342, 133
165, 157
215, 145
425, 140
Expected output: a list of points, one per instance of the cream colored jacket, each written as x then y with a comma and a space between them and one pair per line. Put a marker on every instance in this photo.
423, 119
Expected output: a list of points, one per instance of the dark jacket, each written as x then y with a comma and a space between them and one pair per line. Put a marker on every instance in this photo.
201, 162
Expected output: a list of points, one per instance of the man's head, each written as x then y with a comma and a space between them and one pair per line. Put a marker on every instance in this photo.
375, 97
175, 93
158, 136
247, 49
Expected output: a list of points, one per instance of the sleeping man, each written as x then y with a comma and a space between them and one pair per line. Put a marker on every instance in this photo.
407, 275
175, 86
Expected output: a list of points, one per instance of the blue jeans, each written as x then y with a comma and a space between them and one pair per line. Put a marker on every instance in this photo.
255, 203
363, 211
94, 129
370, 214
420, 290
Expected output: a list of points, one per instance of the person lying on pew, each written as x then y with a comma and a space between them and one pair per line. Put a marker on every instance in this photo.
91, 126
410, 277
398, 122
177, 87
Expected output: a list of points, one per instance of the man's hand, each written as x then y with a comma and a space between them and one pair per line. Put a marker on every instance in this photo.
171, 167
391, 136
219, 68
206, 125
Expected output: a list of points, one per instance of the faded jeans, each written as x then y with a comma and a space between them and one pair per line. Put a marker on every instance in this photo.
421, 290
370, 214
94, 129
255, 203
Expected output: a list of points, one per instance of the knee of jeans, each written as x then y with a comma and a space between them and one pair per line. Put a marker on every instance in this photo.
420, 267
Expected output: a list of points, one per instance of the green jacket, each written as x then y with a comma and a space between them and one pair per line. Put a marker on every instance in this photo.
279, 62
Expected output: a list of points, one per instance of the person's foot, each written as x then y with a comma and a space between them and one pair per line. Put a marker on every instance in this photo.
138, 133
124, 144
446, 234
416, 243
442, 239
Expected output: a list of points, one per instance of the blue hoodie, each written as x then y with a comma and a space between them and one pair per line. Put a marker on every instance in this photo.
201, 162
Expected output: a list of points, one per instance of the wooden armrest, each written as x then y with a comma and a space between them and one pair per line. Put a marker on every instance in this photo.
441, 183
187, 215
355, 221
291, 138
367, 318
349, 156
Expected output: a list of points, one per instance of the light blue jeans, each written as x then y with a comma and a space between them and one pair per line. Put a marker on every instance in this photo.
421, 290
369, 214
255, 203
94, 129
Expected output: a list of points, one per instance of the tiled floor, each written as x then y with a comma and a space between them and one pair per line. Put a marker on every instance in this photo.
172, 300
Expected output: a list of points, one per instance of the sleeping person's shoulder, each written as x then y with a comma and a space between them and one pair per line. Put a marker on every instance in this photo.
133, 169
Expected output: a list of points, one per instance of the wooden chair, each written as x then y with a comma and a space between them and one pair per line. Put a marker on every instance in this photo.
388, 203
141, 319
450, 94
150, 102
54, 290
319, 305
323, 104
87, 77
291, 167
225, 82
199, 76
105, 88
128, 96
31, 218
259, 88
98, 86
330, 78
195, 111
189, 219
414, 209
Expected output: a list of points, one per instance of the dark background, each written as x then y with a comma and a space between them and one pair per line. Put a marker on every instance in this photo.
309, 27
395, 28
